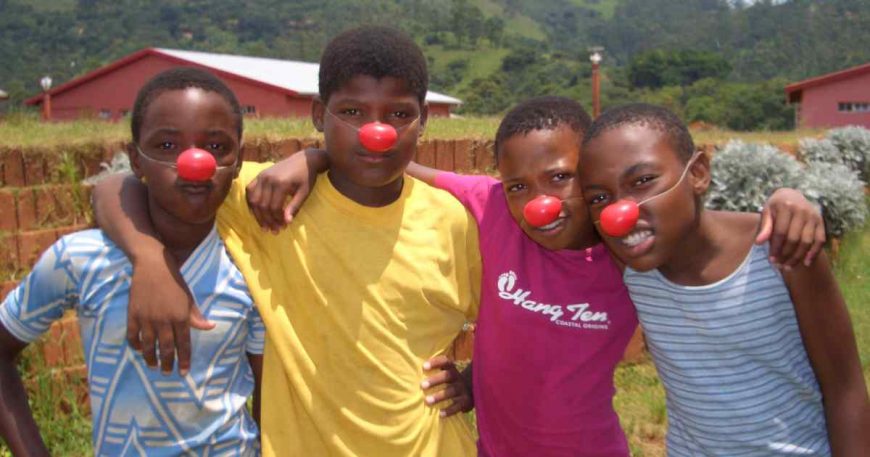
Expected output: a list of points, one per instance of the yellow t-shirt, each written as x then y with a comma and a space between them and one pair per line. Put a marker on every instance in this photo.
355, 299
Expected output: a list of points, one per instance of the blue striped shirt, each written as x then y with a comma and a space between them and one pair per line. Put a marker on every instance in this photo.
137, 410
736, 374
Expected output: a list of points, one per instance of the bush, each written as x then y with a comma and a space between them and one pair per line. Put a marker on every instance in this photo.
854, 145
841, 194
744, 175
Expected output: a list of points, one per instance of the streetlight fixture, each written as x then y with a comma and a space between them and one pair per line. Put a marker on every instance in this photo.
3, 95
45, 83
595, 58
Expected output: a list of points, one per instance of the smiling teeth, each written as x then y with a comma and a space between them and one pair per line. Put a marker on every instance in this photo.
551, 225
636, 238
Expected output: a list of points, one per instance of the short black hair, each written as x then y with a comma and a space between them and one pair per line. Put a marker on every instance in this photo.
652, 116
374, 51
178, 79
542, 113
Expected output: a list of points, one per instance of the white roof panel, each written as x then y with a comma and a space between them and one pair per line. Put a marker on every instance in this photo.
300, 77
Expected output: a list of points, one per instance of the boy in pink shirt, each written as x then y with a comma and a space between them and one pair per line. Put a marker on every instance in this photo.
555, 316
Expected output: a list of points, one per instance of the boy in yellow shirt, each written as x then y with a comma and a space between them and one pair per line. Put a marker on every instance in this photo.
376, 275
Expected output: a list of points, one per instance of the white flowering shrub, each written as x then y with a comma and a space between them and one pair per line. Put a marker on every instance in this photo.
837, 188
120, 163
744, 175
849, 146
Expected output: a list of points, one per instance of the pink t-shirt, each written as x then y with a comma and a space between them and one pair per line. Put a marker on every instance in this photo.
552, 327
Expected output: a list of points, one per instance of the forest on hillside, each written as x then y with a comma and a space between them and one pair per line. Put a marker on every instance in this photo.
723, 62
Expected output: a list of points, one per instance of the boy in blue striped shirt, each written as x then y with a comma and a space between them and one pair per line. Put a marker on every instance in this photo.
137, 410
754, 361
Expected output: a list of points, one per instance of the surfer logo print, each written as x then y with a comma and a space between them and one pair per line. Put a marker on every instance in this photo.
576, 315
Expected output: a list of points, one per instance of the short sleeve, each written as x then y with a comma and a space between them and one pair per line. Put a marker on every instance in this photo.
234, 217
256, 333
473, 191
42, 297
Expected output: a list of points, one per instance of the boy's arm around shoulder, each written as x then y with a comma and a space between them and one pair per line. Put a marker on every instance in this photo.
155, 317
292, 178
830, 343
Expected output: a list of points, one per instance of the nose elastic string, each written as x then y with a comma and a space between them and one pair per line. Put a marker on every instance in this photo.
619, 218
682, 176
193, 164
398, 129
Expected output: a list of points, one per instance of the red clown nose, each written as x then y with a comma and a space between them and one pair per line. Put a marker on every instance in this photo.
542, 210
377, 137
619, 219
195, 165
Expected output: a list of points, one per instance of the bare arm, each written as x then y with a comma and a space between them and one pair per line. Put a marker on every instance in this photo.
830, 343
291, 178
423, 173
256, 361
17, 426
157, 289
794, 226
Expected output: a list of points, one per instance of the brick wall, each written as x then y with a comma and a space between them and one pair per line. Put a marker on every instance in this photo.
39, 204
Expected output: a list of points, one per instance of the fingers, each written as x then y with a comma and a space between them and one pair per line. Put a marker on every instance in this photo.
133, 332
197, 321
804, 244
148, 349
442, 377
792, 240
166, 342
438, 362
295, 203
455, 408
766, 226
182, 344
818, 242
781, 225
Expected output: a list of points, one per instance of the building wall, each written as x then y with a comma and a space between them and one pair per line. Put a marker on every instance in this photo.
111, 95
819, 106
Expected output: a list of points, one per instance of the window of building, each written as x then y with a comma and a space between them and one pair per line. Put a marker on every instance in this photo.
249, 109
853, 107
105, 113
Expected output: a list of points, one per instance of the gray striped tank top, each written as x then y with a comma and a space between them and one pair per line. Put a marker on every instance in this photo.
734, 367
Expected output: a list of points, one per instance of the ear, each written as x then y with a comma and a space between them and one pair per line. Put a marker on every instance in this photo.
424, 117
699, 173
318, 111
239, 161
135, 159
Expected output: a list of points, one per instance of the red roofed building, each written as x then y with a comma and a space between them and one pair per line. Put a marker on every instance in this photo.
832, 100
264, 87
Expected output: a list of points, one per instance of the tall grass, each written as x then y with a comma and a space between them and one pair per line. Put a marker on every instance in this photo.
25, 130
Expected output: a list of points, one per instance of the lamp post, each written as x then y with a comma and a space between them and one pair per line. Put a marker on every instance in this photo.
595, 58
45, 83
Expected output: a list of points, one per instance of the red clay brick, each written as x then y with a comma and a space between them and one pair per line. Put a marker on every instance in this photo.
52, 162
313, 143
26, 209
444, 155
426, 153
289, 147
32, 244
13, 168
9, 253
6, 287
63, 231
52, 346
249, 152
91, 161
463, 162
72, 342
8, 213
484, 162
34, 168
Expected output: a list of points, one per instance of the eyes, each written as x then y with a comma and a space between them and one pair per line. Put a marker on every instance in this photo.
215, 147
356, 114
559, 179
637, 186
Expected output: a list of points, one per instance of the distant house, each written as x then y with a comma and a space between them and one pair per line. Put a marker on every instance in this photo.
265, 87
835, 99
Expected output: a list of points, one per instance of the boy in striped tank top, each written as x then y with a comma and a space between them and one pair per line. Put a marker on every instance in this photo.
754, 361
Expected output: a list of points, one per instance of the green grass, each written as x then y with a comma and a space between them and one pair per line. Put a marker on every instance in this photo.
482, 62
25, 130
639, 400
515, 23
